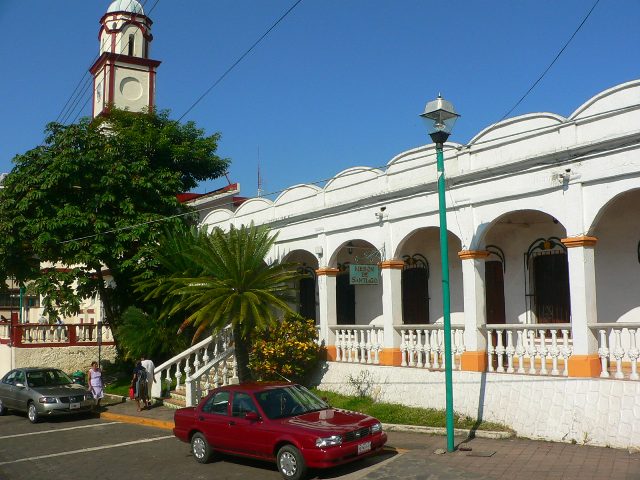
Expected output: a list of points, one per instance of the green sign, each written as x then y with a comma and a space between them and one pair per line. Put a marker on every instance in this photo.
364, 274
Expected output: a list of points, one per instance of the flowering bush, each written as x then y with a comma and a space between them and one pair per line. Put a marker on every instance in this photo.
288, 348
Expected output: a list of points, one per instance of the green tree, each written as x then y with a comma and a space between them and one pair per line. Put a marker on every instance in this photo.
221, 278
94, 199
149, 334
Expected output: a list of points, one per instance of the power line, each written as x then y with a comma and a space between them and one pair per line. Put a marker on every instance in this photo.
206, 92
551, 64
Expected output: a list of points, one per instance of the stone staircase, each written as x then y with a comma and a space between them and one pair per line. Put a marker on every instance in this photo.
177, 398
200, 368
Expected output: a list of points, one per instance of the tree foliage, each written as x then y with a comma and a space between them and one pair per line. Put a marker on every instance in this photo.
149, 334
221, 278
94, 198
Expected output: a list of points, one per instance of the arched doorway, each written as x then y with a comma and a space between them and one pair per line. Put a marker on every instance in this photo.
547, 281
306, 289
415, 289
361, 303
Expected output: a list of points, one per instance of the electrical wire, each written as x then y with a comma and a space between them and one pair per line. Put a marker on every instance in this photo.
255, 44
552, 63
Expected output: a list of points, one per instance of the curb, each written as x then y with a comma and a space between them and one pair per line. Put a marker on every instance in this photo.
149, 422
391, 427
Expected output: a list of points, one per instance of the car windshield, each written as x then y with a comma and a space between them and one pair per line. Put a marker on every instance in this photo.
289, 401
48, 378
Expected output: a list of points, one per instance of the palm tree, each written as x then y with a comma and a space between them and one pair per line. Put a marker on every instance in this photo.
221, 278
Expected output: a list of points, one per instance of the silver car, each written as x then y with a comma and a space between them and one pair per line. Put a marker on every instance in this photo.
43, 392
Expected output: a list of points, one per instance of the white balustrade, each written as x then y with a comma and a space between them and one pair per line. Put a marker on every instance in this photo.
422, 346
358, 343
617, 344
191, 368
539, 345
5, 331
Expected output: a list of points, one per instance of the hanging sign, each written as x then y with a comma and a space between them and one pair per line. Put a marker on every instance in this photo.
364, 274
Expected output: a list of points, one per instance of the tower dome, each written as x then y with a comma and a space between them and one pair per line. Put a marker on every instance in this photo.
130, 6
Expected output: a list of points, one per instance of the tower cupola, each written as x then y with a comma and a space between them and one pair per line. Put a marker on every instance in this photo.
123, 74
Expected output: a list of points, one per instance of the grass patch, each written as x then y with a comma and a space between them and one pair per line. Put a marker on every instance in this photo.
120, 386
400, 414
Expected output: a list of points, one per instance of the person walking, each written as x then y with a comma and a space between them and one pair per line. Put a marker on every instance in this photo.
96, 384
139, 384
149, 367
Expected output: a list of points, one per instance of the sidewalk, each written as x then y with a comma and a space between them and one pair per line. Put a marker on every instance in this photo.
489, 459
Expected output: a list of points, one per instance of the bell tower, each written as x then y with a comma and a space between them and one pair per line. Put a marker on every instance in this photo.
123, 74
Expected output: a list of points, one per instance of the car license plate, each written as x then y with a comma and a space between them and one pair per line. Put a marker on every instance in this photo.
73, 406
364, 447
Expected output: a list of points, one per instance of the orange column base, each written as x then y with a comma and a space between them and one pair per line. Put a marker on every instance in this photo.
390, 357
330, 353
584, 366
474, 361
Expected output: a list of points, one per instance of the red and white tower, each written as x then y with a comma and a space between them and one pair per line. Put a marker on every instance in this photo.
124, 75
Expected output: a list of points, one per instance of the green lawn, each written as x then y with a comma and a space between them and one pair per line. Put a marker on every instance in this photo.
400, 414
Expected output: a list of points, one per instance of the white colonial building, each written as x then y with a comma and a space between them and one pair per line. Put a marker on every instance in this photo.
544, 241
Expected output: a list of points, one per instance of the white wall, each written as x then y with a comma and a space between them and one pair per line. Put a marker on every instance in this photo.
6, 362
68, 359
591, 411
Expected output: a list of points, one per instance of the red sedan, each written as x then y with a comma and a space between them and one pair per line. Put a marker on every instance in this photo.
281, 422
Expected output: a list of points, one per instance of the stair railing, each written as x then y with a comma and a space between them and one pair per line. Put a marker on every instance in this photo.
191, 359
198, 384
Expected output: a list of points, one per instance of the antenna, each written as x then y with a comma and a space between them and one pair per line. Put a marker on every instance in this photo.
259, 177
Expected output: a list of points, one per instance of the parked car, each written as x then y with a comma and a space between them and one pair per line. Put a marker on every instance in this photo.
281, 422
43, 392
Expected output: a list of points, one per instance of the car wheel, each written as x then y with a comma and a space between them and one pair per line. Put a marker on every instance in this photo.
32, 413
3, 409
291, 463
200, 448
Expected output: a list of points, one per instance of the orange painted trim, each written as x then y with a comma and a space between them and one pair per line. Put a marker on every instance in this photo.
472, 254
391, 357
148, 422
584, 366
572, 242
474, 361
330, 272
331, 353
392, 264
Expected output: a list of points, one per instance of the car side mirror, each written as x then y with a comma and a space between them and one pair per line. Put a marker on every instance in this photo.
252, 416
18, 384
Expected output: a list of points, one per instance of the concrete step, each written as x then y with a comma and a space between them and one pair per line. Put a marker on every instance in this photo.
174, 403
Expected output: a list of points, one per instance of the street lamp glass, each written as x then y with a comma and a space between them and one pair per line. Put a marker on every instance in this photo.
440, 116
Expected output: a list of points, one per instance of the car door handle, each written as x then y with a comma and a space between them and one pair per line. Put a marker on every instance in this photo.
201, 418
231, 422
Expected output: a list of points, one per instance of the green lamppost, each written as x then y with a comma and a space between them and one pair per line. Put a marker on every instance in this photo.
440, 117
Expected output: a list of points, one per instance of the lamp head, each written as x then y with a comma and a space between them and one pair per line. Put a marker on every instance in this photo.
440, 116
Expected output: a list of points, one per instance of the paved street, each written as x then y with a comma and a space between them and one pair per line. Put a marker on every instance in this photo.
102, 449
119, 445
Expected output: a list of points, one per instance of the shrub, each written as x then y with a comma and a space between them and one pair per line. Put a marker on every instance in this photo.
289, 349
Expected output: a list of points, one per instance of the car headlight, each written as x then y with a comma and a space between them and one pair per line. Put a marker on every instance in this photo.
48, 400
329, 441
376, 427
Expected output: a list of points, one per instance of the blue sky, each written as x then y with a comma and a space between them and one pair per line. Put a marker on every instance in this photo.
339, 83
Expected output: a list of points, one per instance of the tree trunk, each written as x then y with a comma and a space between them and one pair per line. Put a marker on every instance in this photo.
242, 354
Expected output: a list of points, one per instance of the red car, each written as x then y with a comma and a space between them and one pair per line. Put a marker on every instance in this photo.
281, 422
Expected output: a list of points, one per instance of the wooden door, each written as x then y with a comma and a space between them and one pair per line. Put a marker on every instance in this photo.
415, 296
552, 301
